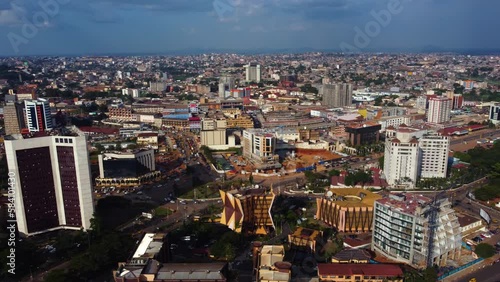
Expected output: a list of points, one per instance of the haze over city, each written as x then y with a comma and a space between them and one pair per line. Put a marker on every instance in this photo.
180, 26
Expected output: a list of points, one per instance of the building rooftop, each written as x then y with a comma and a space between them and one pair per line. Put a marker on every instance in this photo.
150, 245
191, 271
353, 197
405, 203
465, 220
388, 270
352, 254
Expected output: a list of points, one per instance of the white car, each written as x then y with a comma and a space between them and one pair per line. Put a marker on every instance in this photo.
487, 235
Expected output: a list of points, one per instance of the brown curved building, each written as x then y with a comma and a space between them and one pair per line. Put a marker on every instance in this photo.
347, 209
248, 211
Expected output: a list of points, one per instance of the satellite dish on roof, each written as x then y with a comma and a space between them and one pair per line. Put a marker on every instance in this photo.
329, 193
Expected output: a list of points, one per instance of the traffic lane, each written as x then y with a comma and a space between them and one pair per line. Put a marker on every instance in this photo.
490, 273
474, 135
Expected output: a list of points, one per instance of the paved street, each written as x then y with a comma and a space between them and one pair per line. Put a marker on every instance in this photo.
487, 273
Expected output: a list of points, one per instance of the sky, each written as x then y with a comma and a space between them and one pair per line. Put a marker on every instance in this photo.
95, 27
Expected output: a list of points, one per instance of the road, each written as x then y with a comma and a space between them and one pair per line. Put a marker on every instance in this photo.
490, 273
476, 135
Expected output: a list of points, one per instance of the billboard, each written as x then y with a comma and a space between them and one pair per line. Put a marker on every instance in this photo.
485, 216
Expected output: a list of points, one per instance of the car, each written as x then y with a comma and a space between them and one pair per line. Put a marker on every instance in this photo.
182, 202
486, 235
172, 202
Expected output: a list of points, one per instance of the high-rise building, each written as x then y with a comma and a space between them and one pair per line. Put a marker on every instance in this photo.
53, 183
14, 118
248, 211
494, 115
439, 110
409, 228
226, 84
253, 72
413, 153
337, 95
259, 145
134, 93
433, 160
38, 116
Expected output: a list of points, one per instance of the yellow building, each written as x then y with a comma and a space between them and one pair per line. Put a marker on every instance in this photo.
248, 211
347, 209
304, 239
240, 122
270, 265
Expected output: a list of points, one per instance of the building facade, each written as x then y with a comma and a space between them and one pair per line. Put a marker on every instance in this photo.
259, 145
337, 95
359, 272
248, 211
416, 230
14, 118
363, 134
494, 114
253, 72
439, 110
38, 116
54, 189
411, 154
127, 169
347, 209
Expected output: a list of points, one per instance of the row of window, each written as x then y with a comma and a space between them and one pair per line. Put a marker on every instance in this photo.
64, 140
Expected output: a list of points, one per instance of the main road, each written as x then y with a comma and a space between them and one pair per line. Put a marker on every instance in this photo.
488, 273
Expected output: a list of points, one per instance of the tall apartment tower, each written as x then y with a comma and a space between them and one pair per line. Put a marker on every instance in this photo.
413, 153
253, 73
38, 116
53, 183
337, 95
439, 109
14, 118
226, 84
494, 115
416, 230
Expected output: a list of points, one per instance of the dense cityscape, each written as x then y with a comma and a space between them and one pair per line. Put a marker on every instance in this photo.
228, 167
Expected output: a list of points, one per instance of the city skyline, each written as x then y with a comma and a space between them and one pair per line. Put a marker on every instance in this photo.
65, 27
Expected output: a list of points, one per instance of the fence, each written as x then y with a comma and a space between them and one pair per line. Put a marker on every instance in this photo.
456, 270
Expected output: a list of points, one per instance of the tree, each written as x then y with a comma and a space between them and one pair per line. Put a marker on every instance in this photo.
484, 250
430, 274
333, 172
381, 162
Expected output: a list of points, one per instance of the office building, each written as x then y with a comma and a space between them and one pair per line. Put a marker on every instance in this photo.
416, 230
38, 116
124, 169
439, 110
494, 115
347, 209
359, 272
253, 72
14, 118
269, 264
337, 95
363, 134
53, 183
157, 87
411, 154
226, 84
134, 93
213, 132
259, 145
248, 211
121, 113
